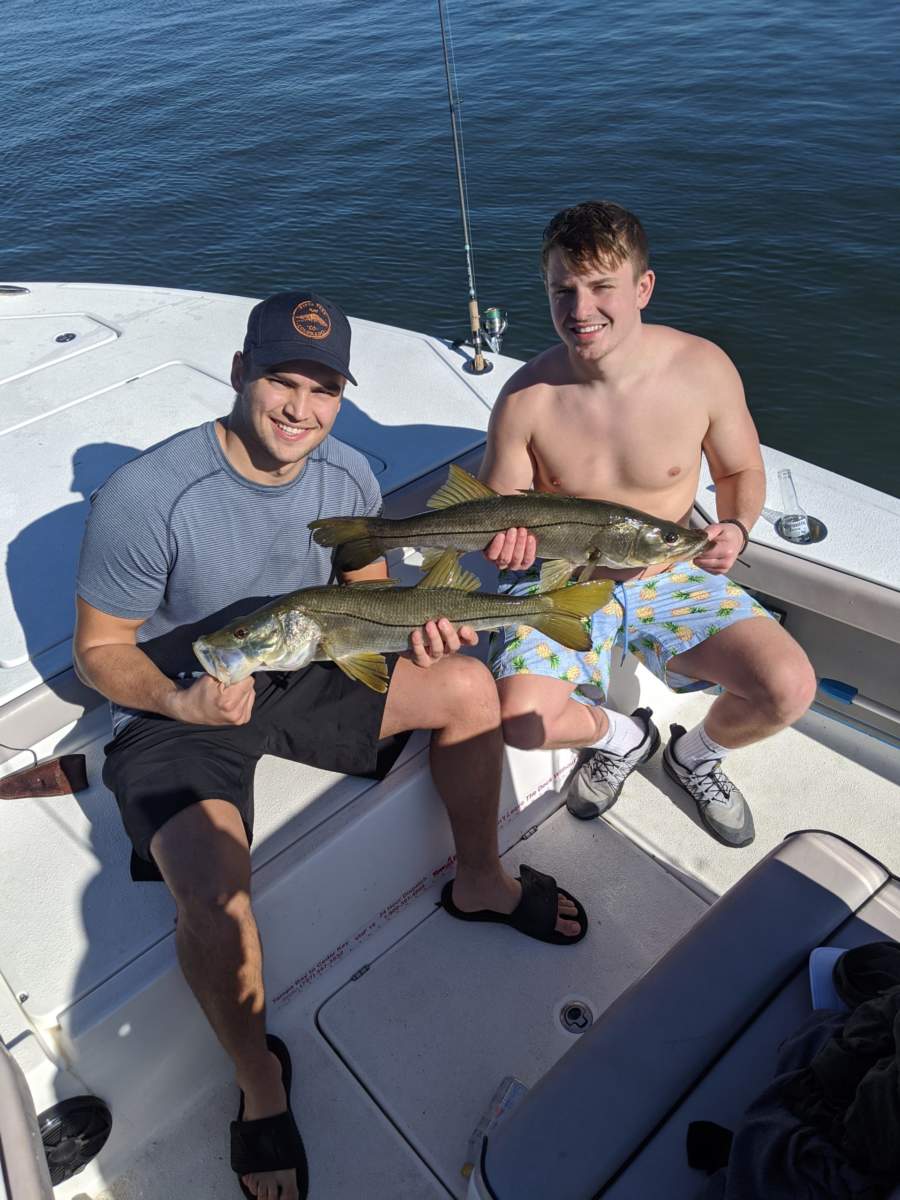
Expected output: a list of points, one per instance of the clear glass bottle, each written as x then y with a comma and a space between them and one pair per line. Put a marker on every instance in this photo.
793, 524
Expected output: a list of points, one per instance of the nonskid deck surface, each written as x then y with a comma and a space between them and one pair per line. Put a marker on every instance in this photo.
819, 774
354, 1151
402, 1061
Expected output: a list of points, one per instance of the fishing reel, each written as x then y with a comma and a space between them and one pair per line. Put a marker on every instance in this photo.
493, 323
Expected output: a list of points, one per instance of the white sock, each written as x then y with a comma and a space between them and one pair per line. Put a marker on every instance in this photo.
696, 746
623, 734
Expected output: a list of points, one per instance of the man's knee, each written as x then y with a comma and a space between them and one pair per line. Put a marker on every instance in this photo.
468, 691
790, 688
205, 862
524, 731
211, 898
524, 715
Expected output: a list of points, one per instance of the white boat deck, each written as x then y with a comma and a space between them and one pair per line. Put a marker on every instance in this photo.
400, 1063
393, 1068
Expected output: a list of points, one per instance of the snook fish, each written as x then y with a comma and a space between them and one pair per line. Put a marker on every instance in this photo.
570, 532
352, 624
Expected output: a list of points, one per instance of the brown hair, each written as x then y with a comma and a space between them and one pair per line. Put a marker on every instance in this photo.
596, 232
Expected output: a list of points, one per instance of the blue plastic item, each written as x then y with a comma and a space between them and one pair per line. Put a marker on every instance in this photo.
840, 691
851, 695
821, 977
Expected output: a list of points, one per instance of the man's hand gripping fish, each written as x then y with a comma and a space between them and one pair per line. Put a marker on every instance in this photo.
570, 532
353, 624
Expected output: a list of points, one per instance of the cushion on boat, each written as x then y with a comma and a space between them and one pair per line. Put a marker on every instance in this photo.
590, 1116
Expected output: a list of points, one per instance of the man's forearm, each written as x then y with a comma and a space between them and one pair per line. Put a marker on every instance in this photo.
741, 496
125, 675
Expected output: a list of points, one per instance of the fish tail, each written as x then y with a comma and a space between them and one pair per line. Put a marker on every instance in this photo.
570, 608
358, 545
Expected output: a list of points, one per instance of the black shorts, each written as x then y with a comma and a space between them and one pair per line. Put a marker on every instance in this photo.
156, 767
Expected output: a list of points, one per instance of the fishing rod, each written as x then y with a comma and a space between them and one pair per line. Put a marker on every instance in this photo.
495, 322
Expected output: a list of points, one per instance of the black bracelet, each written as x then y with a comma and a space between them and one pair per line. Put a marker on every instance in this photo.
741, 526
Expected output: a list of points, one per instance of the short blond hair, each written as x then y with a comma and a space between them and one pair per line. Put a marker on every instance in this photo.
596, 232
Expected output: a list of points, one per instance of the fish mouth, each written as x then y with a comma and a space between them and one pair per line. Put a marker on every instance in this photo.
688, 553
227, 666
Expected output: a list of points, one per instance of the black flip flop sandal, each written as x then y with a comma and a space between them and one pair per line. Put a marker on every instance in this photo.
536, 913
270, 1143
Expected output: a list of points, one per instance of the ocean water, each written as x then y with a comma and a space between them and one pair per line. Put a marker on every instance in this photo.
241, 147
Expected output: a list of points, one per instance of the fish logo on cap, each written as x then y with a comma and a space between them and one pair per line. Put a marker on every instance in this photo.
311, 320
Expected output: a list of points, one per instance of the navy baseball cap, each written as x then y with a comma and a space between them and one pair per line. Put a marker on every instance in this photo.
293, 325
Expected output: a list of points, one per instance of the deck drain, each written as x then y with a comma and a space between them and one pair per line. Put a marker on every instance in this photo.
575, 1016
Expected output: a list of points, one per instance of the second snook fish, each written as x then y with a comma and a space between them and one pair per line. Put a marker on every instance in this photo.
353, 624
570, 532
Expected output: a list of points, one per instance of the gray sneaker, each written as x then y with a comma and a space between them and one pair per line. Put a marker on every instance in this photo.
595, 786
722, 808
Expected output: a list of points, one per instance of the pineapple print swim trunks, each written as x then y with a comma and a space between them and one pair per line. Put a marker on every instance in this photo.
665, 615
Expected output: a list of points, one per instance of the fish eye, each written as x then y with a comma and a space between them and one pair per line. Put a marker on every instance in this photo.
240, 633
670, 537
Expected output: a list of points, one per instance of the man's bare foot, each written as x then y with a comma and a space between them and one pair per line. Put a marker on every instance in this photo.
501, 893
264, 1097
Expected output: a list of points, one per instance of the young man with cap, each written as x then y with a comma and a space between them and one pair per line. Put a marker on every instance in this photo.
212, 523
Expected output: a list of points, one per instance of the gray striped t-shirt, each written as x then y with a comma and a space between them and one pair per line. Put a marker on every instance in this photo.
177, 536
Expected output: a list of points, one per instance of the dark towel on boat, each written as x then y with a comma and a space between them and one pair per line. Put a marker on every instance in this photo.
865, 972
775, 1155
828, 1126
850, 1092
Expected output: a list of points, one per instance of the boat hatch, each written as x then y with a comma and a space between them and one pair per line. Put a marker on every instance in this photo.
432, 1027
29, 344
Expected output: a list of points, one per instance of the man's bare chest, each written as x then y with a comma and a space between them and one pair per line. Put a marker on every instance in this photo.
628, 452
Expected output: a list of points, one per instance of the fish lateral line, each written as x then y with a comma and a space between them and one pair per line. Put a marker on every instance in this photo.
387, 624
445, 532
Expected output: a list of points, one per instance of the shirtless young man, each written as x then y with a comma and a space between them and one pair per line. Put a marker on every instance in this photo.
622, 411
212, 523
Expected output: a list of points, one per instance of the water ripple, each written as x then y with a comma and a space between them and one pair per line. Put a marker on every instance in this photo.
243, 149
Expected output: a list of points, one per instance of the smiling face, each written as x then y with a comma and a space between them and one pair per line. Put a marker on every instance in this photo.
595, 308
280, 416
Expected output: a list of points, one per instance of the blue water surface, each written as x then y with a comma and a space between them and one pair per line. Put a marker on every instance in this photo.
242, 147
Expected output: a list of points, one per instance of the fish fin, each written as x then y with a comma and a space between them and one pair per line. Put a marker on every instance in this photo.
335, 531
571, 607
445, 572
357, 547
431, 557
368, 668
584, 574
460, 487
554, 573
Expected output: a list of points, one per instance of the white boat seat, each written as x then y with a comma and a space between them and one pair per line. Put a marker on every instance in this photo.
694, 1038
66, 888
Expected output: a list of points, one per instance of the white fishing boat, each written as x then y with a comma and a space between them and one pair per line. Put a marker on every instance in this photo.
402, 1022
